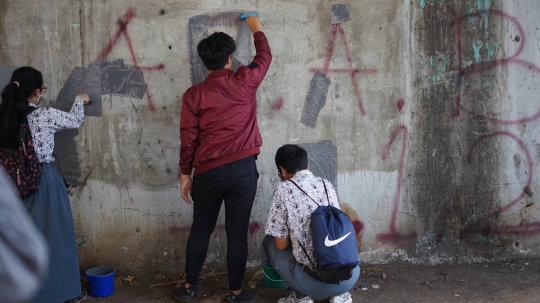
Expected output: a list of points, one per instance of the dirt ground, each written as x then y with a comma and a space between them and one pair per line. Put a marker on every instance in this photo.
493, 282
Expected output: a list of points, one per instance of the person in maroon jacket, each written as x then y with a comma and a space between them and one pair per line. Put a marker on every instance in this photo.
220, 141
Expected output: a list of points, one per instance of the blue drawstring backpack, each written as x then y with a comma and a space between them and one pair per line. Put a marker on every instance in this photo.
334, 242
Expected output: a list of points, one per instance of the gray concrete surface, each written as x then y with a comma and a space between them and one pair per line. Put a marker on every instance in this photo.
490, 282
423, 113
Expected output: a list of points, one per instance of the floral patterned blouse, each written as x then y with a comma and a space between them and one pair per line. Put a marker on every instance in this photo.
290, 213
46, 121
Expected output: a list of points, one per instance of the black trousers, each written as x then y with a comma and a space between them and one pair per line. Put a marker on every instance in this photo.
235, 184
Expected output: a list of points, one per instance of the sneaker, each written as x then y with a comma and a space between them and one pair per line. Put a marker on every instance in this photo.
343, 298
79, 298
293, 299
187, 295
247, 295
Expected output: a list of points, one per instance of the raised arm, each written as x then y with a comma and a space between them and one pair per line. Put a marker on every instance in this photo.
59, 120
263, 57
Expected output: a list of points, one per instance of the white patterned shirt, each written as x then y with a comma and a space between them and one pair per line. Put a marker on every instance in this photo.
290, 213
46, 121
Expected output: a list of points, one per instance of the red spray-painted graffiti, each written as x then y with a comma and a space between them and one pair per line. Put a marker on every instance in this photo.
527, 155
337, 28
393, 235
358, 226
479, 67
278, 104
123, 30
527, 229
524, 229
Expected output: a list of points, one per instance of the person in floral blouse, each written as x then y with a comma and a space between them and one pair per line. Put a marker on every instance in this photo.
49, 207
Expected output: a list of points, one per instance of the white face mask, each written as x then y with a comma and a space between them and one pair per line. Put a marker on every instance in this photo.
39, 100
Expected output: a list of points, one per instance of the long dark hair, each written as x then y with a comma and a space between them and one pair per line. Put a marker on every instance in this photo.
14, 106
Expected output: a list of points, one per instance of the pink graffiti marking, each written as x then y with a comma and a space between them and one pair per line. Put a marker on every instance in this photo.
478, 67
529, 164
337, 28
527, 229
523, 230
180, 229
400, 104
393, 235
278, 104
123, 30
358, 226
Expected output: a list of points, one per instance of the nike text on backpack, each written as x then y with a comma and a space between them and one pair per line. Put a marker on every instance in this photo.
334, 242
22, 164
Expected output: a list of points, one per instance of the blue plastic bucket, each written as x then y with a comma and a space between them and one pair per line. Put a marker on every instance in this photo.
100, 281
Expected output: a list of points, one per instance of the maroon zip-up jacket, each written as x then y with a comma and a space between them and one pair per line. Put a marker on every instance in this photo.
219, 115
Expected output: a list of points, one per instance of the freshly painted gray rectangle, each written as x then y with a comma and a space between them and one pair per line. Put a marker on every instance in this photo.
340, 13
315, 99
322, 158
5, 74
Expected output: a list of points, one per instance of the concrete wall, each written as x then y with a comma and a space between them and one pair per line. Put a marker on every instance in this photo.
422, 113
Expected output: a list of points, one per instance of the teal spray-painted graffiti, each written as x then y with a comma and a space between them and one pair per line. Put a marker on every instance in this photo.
439, 64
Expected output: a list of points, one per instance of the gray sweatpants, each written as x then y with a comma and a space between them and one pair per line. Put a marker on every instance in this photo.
294, 276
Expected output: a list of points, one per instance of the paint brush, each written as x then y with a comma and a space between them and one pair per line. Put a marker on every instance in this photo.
245, 15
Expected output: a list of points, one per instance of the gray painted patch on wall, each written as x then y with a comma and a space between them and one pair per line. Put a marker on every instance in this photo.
322, 157
100, 78
198, 30
5, 75
315, 99
120, 79
76, 84
340, 13
243, 44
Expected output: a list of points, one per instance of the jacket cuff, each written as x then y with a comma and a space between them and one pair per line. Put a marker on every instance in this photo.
258, 35
185, 171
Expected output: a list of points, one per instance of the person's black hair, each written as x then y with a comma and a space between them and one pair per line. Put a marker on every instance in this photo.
14, 106
215, 50
292, 158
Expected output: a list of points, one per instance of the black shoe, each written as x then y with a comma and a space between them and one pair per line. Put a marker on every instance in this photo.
79, 298
186, 294
247, 295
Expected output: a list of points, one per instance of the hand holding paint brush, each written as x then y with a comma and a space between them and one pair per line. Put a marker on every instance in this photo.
85, 98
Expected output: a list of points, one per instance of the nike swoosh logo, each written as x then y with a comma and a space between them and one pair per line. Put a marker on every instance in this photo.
330, 243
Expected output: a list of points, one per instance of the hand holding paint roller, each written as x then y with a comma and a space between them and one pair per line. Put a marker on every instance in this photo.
245, 15
253, 21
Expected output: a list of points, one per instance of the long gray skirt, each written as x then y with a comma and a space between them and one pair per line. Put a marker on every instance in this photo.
50, 210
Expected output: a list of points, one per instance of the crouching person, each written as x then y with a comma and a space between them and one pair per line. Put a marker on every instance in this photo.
289, 239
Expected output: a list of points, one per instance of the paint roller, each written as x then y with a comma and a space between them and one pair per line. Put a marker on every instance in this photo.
245, 15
